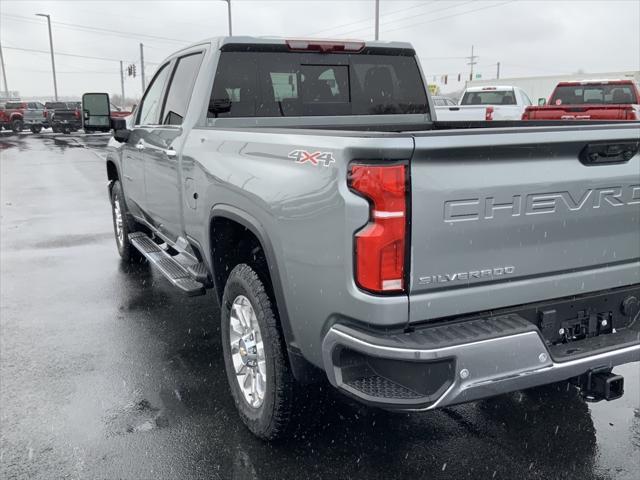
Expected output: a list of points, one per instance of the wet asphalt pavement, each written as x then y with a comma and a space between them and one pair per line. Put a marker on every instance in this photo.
107, 372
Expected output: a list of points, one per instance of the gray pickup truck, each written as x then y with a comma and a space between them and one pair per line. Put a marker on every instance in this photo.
347, 235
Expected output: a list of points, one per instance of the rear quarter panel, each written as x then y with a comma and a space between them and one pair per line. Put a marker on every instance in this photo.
306, 211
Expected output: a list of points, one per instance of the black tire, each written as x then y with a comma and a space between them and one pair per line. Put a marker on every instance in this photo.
276, 416
128, 252
36, 128
17, 125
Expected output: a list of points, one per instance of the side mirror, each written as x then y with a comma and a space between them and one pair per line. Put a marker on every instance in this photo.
120, 131
121, 135
96, 111
219, 105
542, 102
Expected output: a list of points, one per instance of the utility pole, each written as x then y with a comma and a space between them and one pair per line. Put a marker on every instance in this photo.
122, 85
53, 62
228, 2
498, 72
472, 62
4, 74
377, 19
142, 66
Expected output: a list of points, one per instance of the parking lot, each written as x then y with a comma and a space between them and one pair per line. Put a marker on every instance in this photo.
108, 372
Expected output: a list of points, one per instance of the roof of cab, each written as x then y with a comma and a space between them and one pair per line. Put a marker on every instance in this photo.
498, 88
220, 41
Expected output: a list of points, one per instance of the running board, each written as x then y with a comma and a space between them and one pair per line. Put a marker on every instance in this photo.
177, 274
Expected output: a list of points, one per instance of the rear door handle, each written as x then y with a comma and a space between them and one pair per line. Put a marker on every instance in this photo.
140, 145
606, 153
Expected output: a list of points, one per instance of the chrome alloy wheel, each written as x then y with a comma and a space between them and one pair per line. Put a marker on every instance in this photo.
117, 217
247, 351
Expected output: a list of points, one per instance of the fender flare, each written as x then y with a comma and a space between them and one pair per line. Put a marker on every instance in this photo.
302, 370
254, 226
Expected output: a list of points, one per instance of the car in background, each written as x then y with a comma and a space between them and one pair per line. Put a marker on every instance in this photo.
440, 101
18, 115
64, 117
486, 103
589, 100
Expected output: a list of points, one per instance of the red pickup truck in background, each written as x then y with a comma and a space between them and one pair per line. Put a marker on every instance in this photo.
590, 100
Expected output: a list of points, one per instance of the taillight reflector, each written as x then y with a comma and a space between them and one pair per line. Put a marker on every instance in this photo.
325, 46
488, 114
380, 245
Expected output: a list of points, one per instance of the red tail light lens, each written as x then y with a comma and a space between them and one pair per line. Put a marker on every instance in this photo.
630, 114
44, 113
488, 115
380, 245
77, 113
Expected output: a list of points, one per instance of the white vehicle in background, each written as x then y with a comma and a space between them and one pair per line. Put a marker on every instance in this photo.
486, 103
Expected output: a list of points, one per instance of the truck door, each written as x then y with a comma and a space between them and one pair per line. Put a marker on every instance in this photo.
162, 171
146, 119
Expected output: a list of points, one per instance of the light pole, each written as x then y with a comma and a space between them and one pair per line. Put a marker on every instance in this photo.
377, 19
229, 12
53, 62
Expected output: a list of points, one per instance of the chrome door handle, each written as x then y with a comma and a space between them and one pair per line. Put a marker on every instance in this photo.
170, 152
140, 145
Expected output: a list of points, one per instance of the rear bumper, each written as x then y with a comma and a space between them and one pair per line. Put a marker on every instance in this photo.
447, 365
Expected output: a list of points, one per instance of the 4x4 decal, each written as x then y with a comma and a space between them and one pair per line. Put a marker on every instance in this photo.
315, 158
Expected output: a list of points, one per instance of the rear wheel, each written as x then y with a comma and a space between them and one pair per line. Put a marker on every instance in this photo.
122, 225
17, 125
257, 367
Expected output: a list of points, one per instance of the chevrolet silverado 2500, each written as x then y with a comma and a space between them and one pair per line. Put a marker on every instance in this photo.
415, 264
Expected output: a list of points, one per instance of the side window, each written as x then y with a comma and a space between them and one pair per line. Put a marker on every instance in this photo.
31, 106
184, 77
149, 111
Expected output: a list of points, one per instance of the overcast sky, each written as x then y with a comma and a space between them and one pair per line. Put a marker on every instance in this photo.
528, 37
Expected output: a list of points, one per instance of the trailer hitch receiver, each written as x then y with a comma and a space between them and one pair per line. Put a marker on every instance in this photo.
601, 384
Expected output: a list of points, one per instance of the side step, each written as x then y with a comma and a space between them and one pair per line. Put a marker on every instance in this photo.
178, 275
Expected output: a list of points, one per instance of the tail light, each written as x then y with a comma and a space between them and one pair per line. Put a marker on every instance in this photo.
44, 113
380, 245
488, 114
630, 114
77, 113
325, 46
525, 115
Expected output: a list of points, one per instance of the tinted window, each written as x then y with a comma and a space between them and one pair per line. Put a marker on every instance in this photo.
489, 97
179, 94
149, 112
268, 84
12, 105
594, 94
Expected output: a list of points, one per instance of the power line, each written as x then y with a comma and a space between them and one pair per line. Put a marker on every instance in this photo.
73, 55
453, 15
99, 30
337, 27
430, 12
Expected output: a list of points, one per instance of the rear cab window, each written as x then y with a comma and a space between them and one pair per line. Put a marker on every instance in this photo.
290, 84
489, 97
605, 94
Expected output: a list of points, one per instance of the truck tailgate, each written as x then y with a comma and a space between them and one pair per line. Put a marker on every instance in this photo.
508, 216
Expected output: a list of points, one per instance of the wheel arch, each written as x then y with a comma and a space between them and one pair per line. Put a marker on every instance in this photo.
302, 369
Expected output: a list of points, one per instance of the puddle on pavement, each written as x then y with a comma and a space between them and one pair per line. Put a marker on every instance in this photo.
138, 416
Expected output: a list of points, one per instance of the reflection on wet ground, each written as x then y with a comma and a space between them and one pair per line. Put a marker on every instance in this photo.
106, 372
